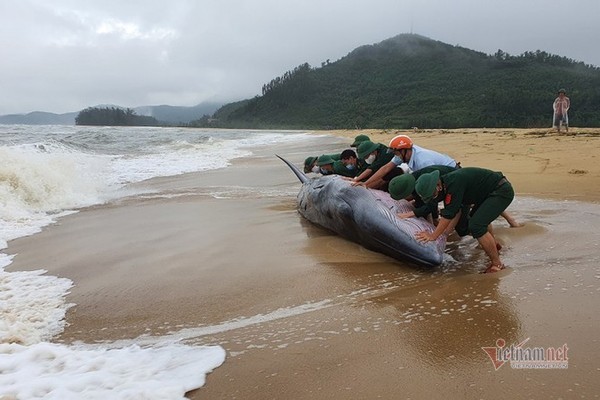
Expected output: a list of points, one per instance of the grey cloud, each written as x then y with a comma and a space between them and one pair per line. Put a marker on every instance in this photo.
65, 55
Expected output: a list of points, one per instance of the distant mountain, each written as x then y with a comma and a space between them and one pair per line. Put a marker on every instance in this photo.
39, 118
166, 114
410, 80
178, 115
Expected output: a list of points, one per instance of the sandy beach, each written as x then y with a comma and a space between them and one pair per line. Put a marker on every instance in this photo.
538, 162
226, 259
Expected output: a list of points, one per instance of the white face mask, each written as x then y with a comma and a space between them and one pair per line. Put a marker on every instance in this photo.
316, 169
369, 160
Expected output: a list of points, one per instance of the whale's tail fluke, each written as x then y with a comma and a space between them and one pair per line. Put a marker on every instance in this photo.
301, 175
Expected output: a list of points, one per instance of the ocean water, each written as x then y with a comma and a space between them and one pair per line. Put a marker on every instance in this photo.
47, 172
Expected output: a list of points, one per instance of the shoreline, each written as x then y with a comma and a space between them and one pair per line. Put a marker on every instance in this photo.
542, 163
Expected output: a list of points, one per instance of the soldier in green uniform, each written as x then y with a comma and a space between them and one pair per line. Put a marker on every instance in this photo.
488, 192
403, 187
327, 166
354, 164
375, 156
359, 139
310, 164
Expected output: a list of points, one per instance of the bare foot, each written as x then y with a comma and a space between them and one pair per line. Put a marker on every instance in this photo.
511, 221
494, 268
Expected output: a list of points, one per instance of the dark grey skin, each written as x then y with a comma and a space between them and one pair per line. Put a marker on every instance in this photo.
367, 217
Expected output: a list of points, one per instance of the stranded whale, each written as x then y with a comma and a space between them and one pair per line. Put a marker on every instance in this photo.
367, 217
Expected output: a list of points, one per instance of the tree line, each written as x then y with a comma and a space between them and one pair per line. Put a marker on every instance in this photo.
113, 116
286, 77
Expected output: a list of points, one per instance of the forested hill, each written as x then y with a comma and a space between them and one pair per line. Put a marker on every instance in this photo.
410, 80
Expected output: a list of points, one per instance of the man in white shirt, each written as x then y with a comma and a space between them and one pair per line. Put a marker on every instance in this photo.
410, 157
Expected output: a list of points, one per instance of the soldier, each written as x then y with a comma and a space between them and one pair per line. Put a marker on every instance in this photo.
375, 155
488, 192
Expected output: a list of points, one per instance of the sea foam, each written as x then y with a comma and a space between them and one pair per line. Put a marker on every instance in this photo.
47, 172
52, 371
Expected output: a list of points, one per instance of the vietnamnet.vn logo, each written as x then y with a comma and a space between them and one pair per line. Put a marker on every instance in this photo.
521, 357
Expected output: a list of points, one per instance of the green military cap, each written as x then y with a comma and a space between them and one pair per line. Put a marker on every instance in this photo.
401, 186
324, 160
366, 148
426, 184
359, 139
308, 163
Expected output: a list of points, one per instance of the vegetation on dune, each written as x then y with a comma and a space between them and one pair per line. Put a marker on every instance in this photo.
410, 80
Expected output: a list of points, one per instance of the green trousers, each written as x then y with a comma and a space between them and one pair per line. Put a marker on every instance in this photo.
486, 212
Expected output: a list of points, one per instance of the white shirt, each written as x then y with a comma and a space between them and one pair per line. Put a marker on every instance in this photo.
422, 158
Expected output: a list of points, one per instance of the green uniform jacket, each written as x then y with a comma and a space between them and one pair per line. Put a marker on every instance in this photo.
468, 186
340, 169
383, 157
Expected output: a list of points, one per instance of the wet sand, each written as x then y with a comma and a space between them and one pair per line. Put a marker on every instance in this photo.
303, 314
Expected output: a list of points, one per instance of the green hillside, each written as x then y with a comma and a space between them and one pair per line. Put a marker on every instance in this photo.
410, 80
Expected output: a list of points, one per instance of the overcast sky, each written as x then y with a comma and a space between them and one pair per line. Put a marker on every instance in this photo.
65, 55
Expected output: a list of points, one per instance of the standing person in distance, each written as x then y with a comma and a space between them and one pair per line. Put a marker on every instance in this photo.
561, 107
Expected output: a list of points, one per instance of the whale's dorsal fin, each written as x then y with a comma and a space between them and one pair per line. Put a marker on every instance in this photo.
301, 175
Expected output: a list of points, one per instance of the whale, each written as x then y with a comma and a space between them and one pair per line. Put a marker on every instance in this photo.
367, 217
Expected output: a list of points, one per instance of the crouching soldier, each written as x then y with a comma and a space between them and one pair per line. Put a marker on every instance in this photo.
488, 192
